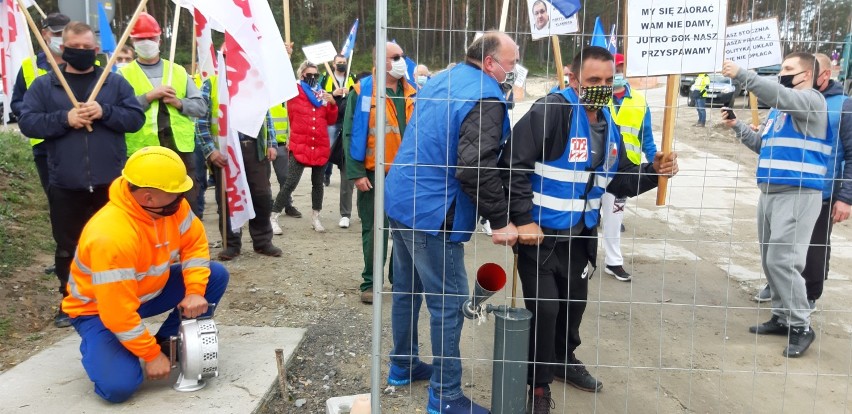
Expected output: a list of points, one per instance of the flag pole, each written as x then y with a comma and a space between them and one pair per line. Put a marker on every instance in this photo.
557, 58
287, 21
50, 58
349, 64
40, 11
118, 46
194, 66
173, 48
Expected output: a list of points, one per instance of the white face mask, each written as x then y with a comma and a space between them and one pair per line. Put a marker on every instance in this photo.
147, 49
119, 65
398, 68
55, 42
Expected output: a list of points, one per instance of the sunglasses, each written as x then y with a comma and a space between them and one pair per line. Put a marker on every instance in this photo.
396, 58
311, 75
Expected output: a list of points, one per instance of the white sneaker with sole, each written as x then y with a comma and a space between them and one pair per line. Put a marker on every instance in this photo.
315, 222
486, 228
276, 229
344, 223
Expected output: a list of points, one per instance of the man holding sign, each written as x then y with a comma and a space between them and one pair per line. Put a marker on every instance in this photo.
793, 150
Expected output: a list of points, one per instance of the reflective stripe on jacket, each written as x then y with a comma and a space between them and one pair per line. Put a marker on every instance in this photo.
31, 72
363, 144
629, 118
789, 157
123, 259
183, 128
281, 122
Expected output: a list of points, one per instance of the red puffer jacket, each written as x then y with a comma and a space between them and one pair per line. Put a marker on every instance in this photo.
309, 130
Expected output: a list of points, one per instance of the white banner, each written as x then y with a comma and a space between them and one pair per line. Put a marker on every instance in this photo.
755, 44
14, 48
546, 20
319, 53
667, 37
240, 206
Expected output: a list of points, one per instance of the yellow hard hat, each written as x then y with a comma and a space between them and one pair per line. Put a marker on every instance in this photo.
157, 167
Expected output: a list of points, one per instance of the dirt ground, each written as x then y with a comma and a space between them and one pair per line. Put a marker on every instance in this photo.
673, 340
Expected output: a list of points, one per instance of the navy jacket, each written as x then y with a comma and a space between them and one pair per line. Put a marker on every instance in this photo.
78, 159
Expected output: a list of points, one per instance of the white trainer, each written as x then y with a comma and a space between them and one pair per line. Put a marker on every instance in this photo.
315, 222
276, 229
344, 223
486, 228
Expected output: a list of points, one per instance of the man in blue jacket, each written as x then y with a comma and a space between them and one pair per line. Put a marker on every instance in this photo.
444, 176
81, 164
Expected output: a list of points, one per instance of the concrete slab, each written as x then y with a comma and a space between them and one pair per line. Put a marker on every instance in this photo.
54, 381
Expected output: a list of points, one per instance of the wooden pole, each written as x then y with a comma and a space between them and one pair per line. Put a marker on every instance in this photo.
752, 103
504, 15
287, 21
194, 66
40, 11
173, 48
557, 57
333, 78
349, 65
282, 373
672, 86
223, 203
50, 58
118, 47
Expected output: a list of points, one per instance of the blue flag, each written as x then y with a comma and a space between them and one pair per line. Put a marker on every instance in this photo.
598, 36
107, 38
566, 7
349, 46
613, 45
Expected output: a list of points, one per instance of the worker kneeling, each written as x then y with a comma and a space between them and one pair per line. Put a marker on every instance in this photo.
123, 272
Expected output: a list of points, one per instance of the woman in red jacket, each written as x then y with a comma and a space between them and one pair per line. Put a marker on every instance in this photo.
310, 113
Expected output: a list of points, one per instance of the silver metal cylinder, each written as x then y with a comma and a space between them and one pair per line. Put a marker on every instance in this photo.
511, 354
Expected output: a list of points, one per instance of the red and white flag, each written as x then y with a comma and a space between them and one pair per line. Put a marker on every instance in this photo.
240, 206
15, 46
204, 45
260, 74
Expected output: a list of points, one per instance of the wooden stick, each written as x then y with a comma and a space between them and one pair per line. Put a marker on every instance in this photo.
672, 86
282, 372
287, 21
504, 15
349, 66
333, 78
50, 58
752, 103
118, 47
40, 11
194, 66
173, 48
515, 280
557, 57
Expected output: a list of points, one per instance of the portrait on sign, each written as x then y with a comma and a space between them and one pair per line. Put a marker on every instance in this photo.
546, 20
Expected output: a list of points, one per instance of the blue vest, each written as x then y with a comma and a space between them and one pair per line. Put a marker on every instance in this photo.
421, 185
788, 157
361, 121
835, 161
569, 188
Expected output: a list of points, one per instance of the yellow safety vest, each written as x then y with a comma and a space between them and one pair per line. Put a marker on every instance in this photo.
328, 85
183, 128
30, 76
281, 122
629, 119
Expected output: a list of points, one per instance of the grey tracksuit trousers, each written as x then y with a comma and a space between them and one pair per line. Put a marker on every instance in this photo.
785, 221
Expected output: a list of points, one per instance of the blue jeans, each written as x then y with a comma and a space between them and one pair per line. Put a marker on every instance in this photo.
116, 372
200, 178
700, 104
423, 263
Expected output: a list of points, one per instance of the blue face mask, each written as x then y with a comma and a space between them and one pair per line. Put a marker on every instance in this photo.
421, 80
619, 81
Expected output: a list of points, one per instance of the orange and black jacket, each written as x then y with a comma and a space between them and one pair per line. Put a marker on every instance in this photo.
123, 260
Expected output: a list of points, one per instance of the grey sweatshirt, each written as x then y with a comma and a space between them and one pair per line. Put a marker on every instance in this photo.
193, 104
806, 107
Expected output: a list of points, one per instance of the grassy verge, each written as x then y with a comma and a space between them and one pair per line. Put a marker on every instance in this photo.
24, 224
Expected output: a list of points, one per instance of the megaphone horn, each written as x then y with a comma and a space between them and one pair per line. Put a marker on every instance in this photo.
490, 278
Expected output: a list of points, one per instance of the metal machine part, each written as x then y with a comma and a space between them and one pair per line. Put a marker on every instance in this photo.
196, 349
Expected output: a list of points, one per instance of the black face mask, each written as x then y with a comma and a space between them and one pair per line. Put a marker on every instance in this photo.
341, 67
311, 80
787, 80
168, 209
80, 59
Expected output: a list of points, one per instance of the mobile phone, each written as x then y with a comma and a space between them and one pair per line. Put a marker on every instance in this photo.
730, 112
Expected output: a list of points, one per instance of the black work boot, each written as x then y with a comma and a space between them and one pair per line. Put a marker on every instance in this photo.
574, 373
539, 401
770, 327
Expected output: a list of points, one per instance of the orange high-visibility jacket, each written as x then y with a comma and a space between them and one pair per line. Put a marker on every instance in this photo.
393, 136
123, 259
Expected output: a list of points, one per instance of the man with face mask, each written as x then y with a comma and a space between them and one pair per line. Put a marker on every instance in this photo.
359, 146
83, 163
444, 174
169, 108
51, 32
421, 75
793, 148
835, 198
126, 269
563, 155
630, 112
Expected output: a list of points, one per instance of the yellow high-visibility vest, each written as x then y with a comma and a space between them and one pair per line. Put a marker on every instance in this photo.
629, 119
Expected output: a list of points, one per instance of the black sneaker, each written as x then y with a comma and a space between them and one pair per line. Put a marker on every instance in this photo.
799, 341
292, 212
618, 272
540, 401
228, 254
326, 180
269, 250
574, 373
61, 319
770, 327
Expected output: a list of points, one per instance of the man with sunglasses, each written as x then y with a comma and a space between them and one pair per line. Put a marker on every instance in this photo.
359, 146
445, 175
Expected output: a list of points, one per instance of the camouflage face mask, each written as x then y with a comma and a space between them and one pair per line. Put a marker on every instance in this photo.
595, 97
